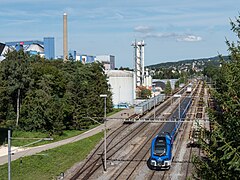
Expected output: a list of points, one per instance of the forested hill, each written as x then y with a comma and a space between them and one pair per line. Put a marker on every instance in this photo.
202, 61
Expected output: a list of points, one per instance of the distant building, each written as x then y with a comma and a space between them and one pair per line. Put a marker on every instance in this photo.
49, 49
147, 81
2, 48
44, 48
85, 58
72, 55
35, 49
23, 43
161, 83
107, 60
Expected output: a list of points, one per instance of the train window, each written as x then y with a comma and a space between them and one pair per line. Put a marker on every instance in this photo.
160, 147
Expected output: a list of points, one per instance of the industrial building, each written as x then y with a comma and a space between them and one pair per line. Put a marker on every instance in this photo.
45, 48
2, 50
147, 79
160, 84
107, 60
49, 47
85, 58
122, 86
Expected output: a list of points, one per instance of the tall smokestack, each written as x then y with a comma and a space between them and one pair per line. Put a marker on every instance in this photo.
65, 39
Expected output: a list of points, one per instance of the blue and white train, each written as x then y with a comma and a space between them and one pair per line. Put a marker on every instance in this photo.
162, 144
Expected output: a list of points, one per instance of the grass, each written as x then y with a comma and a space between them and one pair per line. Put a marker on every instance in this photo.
22, 134
66, 134
113, 112
50, 165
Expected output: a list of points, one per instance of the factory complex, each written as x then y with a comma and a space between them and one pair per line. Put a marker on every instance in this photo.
124, 85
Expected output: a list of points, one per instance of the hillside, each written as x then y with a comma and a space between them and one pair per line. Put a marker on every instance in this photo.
201, 62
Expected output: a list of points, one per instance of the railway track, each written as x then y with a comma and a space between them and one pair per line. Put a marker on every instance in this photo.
129, 168
114, 149
94, 162
199, 113
116, 141
128, 171
92, 159
158, 175
199, 104
180, 162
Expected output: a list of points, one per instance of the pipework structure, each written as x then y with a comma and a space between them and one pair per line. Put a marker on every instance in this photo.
139, 61
65, 38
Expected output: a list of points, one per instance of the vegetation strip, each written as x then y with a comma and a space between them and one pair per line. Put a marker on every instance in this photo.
49, 164
31, 135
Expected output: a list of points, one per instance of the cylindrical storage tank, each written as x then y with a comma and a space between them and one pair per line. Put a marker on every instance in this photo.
121, 84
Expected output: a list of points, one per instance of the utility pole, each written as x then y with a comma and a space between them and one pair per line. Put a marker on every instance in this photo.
178, 96
18, 106
105, 131
9, 154
154, 99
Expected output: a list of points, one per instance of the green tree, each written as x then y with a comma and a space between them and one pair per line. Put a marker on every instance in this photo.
144, 93
168, 89
53, 95
222, 145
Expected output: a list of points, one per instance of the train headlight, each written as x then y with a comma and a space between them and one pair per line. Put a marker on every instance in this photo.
153, 162
167, 163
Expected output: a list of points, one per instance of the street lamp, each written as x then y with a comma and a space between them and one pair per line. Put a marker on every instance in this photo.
119, 88
178, 96
9, 154
105, 132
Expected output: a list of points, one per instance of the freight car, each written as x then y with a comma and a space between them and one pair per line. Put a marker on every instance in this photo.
147, 105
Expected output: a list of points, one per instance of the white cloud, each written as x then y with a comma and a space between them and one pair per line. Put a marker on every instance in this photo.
147, 32
160, 35
189, 38
143, 29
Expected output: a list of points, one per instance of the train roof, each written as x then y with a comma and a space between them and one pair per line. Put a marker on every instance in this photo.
169, 126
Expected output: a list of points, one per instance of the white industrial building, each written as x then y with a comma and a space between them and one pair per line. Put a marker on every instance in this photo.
107, 60
122, 86
147, 81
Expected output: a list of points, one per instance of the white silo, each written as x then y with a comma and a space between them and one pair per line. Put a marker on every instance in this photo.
122, 86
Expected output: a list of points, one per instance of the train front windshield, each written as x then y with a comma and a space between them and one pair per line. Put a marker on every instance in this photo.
160, 146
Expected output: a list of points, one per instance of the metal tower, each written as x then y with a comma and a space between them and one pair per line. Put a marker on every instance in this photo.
139, 61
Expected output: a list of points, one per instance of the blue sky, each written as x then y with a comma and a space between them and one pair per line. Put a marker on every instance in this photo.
172, 30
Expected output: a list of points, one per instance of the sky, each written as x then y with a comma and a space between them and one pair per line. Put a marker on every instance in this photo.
172, 30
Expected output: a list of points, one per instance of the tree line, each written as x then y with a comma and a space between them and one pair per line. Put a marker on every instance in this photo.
48, 95
222, 144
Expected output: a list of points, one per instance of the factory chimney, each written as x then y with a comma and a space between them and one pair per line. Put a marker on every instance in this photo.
65, 38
